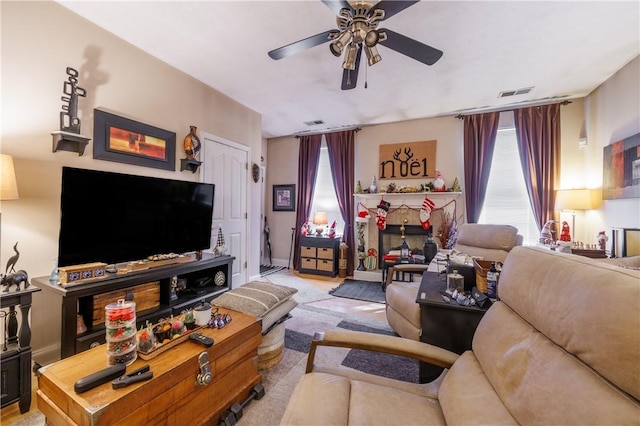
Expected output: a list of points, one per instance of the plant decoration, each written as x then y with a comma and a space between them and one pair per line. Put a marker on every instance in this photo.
189, 320
448, 233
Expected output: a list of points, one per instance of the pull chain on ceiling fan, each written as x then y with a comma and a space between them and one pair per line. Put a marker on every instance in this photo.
358, 31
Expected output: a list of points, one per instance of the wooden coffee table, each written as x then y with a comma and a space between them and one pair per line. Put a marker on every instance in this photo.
171, 396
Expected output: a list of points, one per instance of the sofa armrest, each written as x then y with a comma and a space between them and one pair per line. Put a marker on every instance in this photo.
380, 343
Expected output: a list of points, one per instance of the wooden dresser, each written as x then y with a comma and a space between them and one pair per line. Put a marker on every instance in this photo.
319, 255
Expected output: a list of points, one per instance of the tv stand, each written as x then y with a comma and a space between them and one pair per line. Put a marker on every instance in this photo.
79, 299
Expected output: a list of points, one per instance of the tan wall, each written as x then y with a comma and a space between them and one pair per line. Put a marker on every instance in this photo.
41, 39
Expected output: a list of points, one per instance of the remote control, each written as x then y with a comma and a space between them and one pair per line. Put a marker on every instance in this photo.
96, 379
203, 340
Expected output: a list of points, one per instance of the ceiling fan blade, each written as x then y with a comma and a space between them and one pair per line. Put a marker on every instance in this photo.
350, 77
300, 45
391, 7
337, 5
410, 47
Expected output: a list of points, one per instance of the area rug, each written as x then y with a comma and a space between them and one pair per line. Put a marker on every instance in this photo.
270, 269
370, 291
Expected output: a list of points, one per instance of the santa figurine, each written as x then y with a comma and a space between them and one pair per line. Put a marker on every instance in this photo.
602, 240
546, 234
332, 230
438, 183
565, 233
304, 230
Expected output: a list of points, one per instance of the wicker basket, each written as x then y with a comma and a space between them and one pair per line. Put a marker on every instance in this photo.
271, 351
482, 267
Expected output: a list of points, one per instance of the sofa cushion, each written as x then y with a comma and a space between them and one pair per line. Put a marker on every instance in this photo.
403, 313
500, 237
255, 298
554, 364
327, 399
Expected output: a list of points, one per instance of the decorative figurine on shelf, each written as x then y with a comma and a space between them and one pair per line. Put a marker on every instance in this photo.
438, 183
16, 277
304, 230
192, 144
361, 222
456, 186
332, 230
602, 240
373, 188
358, 188
220, 248
546, 234
381, 217
565, 233
69, 121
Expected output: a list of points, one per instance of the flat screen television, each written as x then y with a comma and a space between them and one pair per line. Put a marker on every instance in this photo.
114, 218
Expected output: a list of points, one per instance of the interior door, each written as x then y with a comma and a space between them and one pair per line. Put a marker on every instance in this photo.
224, 164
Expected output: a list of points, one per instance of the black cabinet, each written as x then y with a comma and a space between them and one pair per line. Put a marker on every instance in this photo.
447, 325
15, 359
202, 280
319, 255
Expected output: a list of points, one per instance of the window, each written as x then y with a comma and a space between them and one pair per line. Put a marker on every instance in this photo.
324, 197
506, 200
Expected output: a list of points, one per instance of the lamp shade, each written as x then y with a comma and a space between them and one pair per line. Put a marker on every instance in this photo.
574, 199
8, 185
320, 218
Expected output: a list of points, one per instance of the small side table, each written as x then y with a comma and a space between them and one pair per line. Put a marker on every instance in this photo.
16, 359
446, 325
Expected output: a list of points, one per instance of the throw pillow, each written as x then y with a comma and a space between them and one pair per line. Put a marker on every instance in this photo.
256, 298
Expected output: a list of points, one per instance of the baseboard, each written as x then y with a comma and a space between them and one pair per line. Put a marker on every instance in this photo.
46, 355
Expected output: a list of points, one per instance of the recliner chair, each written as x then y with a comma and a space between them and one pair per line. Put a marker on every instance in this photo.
492, 242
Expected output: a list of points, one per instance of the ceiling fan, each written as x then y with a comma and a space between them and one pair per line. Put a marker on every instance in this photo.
358, 31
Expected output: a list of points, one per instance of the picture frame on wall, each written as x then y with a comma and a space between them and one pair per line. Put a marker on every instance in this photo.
284, 198
128, 141
621, 169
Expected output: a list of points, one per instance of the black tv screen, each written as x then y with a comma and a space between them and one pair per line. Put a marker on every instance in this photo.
113, 218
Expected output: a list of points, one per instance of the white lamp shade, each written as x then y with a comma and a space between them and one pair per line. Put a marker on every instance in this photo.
8, 185
320, 218
575, 199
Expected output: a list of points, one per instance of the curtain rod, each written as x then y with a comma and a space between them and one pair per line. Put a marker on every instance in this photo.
461, 116
322, 132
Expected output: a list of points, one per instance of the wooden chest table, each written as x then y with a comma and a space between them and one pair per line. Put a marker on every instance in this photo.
171, 397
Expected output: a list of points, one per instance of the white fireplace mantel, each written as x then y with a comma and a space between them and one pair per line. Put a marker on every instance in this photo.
411, 199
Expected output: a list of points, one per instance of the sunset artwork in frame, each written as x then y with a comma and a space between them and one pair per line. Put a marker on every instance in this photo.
128, 141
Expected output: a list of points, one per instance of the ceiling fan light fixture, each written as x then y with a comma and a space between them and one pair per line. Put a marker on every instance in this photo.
337, 46
371, 39
373, 57
350, 57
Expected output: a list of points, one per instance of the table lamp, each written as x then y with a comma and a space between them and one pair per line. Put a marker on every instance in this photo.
320, 219
8, 185
570, 200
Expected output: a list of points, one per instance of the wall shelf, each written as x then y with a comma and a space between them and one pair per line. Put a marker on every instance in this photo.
189, 164
66, 141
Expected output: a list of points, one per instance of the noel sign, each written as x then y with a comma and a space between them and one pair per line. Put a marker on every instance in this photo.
410, 160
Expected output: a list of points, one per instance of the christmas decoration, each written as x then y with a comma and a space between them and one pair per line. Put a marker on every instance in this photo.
425, 213
332, 230
438, 183
304, 230
546, 234
363, 216
373, 188
220, 248
565, 234
358, 188
602, 240
456, 186
381, 217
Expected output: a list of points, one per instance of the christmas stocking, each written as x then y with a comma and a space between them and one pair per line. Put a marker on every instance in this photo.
425, 213
381, 217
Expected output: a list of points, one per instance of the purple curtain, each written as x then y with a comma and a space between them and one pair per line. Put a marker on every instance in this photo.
341, 159
307, 170
480, 132
538, 133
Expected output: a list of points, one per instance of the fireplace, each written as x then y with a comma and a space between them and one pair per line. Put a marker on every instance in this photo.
390, 239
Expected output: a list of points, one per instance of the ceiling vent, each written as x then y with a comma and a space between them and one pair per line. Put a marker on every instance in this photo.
314, 122
507, 93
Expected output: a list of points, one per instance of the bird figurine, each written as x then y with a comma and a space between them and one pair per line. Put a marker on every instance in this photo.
11, 263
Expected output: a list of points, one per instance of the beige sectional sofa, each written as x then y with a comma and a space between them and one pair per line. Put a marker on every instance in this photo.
561, 347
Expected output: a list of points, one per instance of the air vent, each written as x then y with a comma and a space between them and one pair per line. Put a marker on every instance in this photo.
522, 91
314, 122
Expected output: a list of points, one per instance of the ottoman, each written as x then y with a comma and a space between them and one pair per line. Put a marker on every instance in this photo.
271, 304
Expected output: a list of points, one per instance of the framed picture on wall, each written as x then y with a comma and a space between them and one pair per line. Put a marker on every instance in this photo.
622, 169
127, 141
284, 198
